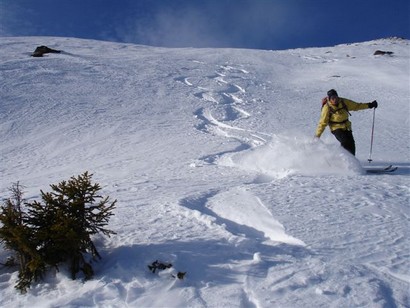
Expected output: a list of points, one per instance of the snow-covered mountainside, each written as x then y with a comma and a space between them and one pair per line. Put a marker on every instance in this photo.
210, 154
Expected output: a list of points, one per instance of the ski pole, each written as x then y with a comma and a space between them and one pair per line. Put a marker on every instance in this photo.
371, 140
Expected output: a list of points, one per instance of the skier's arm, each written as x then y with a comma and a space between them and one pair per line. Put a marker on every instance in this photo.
353, 106
323, 122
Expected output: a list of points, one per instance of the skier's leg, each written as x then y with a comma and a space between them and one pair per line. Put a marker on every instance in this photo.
345, 137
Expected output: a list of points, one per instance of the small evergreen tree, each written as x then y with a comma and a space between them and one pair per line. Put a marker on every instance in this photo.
58, 230
17, 236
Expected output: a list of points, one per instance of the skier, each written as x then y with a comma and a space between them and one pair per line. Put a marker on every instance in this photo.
335, 113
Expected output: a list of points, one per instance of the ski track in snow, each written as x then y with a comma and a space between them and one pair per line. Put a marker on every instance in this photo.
256, 214
253, 222
228, 103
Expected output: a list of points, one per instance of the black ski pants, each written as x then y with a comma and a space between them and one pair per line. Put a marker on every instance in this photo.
345, 137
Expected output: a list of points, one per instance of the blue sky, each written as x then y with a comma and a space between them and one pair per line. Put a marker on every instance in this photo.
257, 24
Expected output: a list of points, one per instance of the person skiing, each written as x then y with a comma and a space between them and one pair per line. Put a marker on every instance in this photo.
335, 113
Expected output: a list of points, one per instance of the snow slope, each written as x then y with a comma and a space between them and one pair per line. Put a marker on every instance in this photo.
211, 156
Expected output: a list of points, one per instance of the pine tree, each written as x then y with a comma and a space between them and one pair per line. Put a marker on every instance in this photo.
58, 230
18, 237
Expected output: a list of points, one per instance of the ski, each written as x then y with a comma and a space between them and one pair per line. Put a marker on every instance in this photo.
387, 169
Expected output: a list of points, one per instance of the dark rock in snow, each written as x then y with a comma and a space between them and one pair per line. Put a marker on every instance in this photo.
382, 53
41, 50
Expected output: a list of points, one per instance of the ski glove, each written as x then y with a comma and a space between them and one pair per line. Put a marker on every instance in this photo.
373, 104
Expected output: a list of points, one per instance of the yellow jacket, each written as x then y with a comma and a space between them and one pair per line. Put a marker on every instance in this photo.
337, 117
